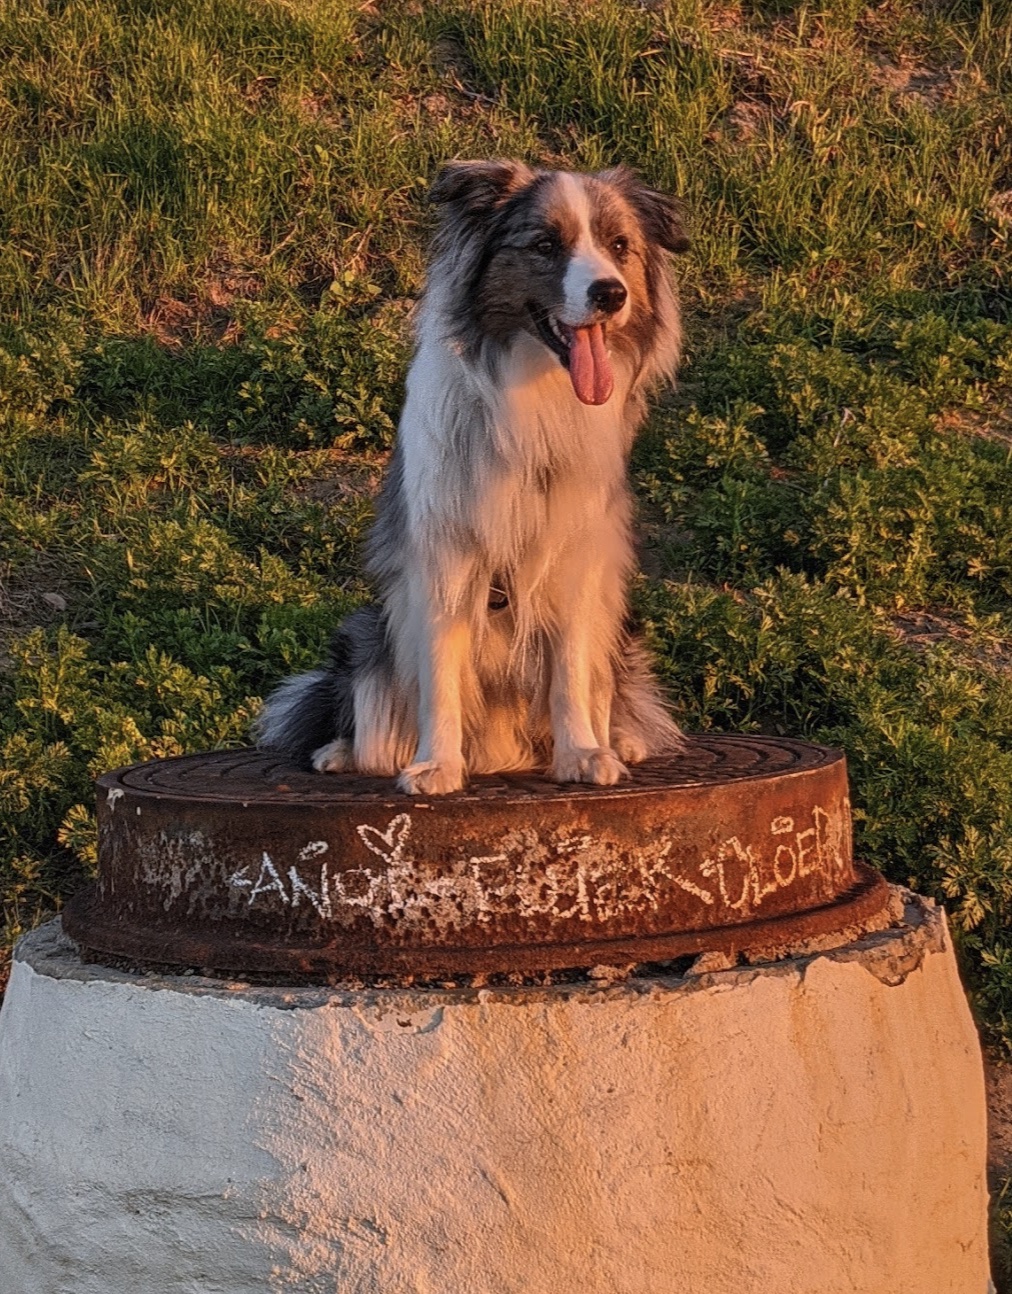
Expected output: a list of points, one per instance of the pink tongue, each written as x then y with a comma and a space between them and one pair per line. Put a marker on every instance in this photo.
589, 365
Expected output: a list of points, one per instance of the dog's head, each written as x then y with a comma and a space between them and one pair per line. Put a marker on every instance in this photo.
577, 262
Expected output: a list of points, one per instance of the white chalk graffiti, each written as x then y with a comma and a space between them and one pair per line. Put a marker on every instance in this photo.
566, 877
394, 838
269, 880
396, 891
807, 851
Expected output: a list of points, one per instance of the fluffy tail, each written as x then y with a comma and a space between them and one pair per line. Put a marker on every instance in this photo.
312, 710
298, 716
640, 721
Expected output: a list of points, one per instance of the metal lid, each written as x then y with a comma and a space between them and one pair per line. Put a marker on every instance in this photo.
236, 861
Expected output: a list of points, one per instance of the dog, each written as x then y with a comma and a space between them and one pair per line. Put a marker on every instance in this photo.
502, 549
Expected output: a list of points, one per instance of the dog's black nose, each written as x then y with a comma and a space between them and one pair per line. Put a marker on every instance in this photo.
607, 294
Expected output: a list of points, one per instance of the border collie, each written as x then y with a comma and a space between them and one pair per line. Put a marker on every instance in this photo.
502, 552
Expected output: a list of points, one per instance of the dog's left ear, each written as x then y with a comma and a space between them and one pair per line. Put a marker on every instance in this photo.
662, 217
477, 187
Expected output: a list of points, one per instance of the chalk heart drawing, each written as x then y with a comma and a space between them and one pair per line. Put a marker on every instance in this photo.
388, 844
565, 877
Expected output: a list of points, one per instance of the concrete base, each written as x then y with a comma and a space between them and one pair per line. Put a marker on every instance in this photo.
816, 1126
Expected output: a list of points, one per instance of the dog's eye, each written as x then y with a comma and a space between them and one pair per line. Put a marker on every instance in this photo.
545, 246
620, 245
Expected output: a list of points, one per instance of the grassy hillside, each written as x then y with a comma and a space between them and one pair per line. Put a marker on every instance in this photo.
213, 223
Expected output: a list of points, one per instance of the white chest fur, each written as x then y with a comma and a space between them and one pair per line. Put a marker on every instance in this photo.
514, 464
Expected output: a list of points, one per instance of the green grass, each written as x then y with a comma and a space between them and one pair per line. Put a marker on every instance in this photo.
213, 223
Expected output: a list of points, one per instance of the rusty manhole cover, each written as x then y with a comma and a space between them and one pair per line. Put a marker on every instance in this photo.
239, 862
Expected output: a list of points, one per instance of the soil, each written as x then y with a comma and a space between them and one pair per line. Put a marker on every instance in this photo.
999, 1121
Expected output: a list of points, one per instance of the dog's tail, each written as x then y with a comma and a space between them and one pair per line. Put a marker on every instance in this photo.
298, 716
639, 711
311, 710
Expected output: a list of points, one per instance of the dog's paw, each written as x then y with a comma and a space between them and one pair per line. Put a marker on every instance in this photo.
335, 757
598, 765
430, 778
631, 749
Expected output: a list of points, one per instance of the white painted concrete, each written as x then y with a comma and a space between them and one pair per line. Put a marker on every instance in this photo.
810, 1127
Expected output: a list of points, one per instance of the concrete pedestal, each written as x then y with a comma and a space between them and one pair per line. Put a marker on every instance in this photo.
813, 1126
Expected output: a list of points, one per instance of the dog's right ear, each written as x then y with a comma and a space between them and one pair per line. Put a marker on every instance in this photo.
475, 188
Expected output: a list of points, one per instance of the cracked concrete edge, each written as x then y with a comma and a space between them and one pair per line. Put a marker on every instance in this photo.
911, 927
914, 929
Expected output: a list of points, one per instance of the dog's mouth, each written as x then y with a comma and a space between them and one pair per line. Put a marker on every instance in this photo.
583, 351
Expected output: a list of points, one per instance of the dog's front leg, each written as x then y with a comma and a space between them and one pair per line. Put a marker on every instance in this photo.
577, 694
443, 645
